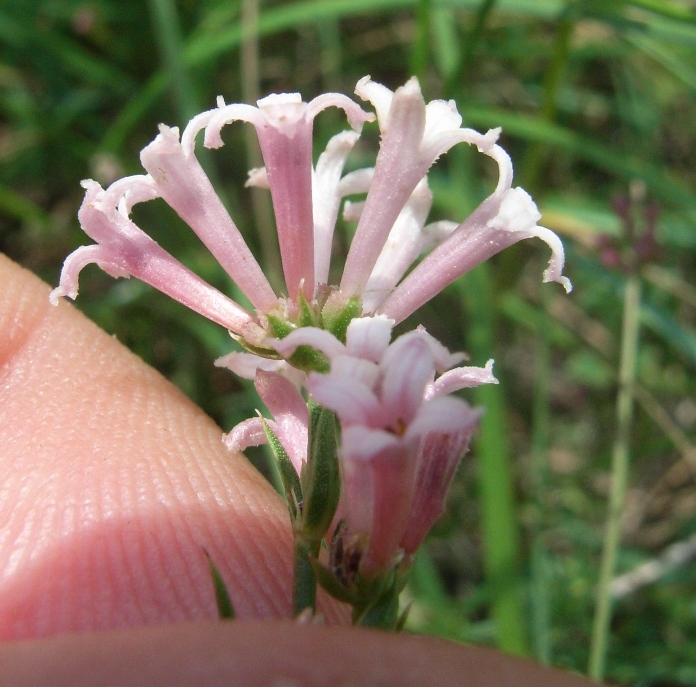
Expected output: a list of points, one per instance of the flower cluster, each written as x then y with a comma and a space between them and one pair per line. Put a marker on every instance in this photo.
401, 432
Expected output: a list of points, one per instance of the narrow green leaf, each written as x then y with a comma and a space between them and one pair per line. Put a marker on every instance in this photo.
288, 474
321, 480
222, 596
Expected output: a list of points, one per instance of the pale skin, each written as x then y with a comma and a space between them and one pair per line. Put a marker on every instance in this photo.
113, 483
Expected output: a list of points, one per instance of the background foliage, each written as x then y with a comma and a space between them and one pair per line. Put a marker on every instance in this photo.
597, 102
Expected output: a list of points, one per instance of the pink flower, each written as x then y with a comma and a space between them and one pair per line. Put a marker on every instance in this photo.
123, 250
391, 234
284, 127
290, 424
402, 435
414, 135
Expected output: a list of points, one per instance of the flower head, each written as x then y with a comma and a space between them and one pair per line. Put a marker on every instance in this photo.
391, 232
402, 434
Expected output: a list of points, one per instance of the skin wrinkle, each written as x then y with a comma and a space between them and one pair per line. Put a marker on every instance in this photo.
118, 467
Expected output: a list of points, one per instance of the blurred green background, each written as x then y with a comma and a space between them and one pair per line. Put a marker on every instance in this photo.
597, 101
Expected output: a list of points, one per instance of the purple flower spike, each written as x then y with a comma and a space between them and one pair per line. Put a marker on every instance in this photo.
124, 250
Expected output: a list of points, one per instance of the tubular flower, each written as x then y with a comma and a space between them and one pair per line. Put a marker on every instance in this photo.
391, 232
402, 434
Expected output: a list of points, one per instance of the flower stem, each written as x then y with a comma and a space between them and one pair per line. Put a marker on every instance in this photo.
493, 454
304, 591
620, 459
540, 598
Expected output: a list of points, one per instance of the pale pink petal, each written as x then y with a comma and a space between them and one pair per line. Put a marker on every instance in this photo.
245, 365
380, 97
327, 199
368, 337
442, 357
287, 154
289, 410
406, 241
352, 401
319, 339
443, 415
407, 367
354, 113
377, 488
247, 433
361, 444
352, 368
181, 181
439, 457
357, 181
461, 378
397, 171
477, 238
125, 250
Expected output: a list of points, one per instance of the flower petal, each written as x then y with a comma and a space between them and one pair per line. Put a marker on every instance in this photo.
247, 433
289, 410
351, 400
181, 181
327, 199
461, 378
407, 367
442, 415
316, 338
125, 250
368, 337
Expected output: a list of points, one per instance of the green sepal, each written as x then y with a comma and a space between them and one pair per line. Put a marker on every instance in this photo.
258, 350
321, 478
337, 322
279, 326
308, 317
308, 359
222, 596
381, 613
288, 474
332, 585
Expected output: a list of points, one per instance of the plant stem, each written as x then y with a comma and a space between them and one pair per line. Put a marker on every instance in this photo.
168, 35
499, 521
620, 460
304, 591
539, 592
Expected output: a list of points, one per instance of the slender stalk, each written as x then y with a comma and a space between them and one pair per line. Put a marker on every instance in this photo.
536, 153
304, 590
460, 78
499, 517
419, 54
171, 46
620, 463
541, 420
